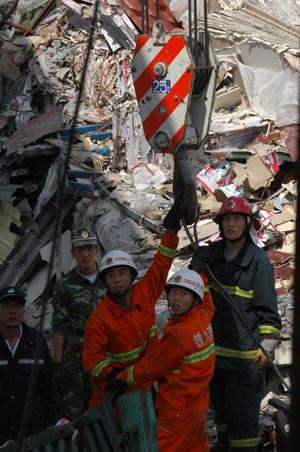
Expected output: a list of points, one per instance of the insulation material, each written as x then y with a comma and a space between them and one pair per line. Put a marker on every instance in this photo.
262, 87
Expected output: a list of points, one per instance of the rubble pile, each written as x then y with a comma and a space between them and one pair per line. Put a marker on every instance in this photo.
113, 179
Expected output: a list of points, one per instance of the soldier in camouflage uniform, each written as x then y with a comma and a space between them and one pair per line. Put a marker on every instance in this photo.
75, 297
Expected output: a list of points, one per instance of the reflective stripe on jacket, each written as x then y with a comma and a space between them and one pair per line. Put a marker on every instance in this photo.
15, 377
249, 279
182, 362
116, 337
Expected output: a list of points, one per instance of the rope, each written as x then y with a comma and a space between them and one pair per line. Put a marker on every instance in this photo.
60, 197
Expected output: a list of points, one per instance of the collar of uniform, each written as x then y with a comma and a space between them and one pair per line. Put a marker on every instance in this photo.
119, 310
26, 334
82, 277
183, 317
242, 259
245, 255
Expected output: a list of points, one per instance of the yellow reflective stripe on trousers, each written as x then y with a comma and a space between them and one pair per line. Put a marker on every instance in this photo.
199, 356
235, 290
98, 369
268, 329
168, 252
247, 442
239, 354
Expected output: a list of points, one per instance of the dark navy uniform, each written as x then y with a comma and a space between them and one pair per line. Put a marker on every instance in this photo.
15, 373
236, 388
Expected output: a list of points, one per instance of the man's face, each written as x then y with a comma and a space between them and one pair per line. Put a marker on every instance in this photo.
118, 279
180, 300
11, 313
85, 256
234, 226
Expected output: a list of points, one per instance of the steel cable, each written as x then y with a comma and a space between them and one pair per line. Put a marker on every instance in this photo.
60, 203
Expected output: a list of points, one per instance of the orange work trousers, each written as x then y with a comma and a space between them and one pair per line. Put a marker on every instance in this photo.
181, 431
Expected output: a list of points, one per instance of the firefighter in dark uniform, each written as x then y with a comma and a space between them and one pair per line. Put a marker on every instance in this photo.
246, 273
23, 350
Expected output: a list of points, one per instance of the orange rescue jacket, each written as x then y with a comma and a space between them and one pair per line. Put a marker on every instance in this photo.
118, 337
183, 361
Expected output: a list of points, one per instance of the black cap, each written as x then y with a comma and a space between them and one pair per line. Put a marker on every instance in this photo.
11, 293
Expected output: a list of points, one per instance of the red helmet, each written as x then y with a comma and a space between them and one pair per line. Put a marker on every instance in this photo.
234, 204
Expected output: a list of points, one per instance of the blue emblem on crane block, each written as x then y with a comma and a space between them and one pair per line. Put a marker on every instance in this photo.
161, 86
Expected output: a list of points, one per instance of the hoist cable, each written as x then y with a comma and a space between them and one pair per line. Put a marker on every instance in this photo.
143, 17
157, 9
196, 50
18, 444
294, 439
190, 24
147, 16
206, 39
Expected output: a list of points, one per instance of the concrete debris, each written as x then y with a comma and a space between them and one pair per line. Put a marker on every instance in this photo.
113, 179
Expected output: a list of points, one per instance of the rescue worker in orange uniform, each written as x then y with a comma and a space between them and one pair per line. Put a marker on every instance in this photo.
122, 327
183, 365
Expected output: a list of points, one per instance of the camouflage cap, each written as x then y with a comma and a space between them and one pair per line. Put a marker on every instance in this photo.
83, 236
11, 293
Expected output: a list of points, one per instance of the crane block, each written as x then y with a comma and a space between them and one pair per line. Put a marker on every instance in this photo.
163, 75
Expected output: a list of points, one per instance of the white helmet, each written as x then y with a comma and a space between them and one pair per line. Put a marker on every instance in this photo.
116, 258
186, 278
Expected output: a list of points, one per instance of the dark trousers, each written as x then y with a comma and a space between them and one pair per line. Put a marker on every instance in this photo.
236, 398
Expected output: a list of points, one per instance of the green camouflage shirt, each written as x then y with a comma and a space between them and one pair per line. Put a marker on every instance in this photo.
73, 301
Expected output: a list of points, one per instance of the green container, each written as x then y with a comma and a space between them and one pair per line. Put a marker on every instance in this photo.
129, 425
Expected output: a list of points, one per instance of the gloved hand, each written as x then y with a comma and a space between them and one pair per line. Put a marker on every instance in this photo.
261, 360
117, 386
112, 375
173, 217
201, 258
114, 384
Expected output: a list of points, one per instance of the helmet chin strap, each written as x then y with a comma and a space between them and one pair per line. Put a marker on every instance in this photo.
116, 295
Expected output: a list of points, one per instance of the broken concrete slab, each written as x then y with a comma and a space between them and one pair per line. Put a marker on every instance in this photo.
42, 125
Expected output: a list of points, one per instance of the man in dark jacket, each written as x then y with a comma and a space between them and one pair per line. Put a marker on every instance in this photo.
23, 350
245, 272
